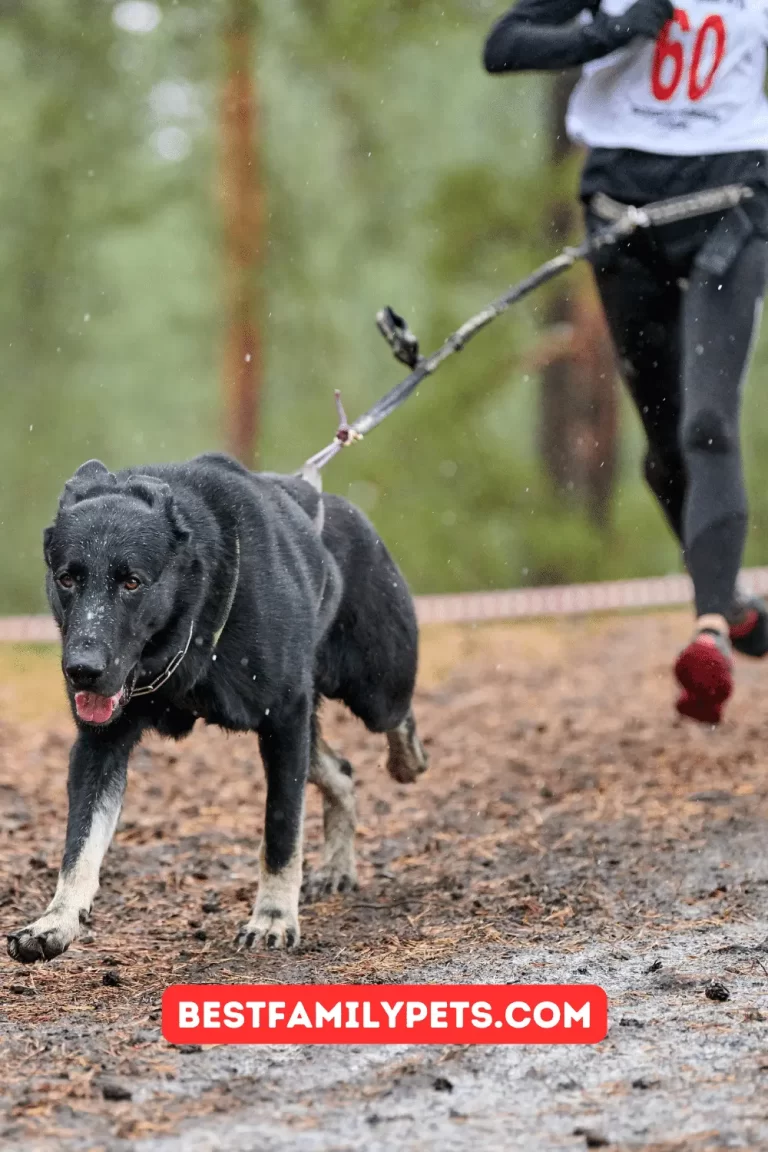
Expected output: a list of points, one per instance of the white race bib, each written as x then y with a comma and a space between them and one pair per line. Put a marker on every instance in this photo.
696, 90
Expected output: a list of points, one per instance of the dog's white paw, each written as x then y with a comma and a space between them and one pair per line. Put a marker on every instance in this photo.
49, 936
407, 757
269, 927
338, 874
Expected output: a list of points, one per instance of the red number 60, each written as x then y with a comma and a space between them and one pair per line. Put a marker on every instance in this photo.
668, 49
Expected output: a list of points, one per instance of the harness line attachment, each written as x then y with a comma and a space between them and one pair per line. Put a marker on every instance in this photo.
405, 346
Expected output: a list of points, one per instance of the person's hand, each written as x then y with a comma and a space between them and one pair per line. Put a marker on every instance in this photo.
645, 18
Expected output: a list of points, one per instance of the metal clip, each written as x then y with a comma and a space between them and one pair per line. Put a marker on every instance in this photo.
398, 335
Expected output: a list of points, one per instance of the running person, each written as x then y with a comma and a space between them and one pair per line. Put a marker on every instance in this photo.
670, 102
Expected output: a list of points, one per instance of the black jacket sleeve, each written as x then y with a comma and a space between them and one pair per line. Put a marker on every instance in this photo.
539, 35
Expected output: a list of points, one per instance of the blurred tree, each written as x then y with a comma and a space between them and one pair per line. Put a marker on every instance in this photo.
579, 400
60, 67
578, 422
391, 169
242, 200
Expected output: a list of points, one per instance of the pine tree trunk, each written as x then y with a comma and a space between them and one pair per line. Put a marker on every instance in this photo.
579, 412
241, 197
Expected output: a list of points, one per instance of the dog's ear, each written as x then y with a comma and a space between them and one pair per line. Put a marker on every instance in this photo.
152, 491
91, 470
89, 475
159, 495
182, 532
47, 541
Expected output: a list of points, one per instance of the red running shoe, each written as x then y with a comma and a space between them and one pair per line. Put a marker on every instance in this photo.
749, 626
705, 673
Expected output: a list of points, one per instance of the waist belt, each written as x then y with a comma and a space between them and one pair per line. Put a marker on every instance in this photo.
743, 213
703, 203
607, 208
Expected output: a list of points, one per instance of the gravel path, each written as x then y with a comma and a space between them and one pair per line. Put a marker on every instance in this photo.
569, 828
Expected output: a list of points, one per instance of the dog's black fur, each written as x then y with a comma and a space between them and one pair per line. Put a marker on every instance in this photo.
311, 605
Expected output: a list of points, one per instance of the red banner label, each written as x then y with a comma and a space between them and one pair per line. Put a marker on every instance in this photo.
385, 1014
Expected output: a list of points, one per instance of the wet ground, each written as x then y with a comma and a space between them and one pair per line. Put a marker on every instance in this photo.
569, 829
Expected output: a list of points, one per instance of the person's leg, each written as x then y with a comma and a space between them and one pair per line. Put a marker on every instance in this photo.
643, 307
720, 321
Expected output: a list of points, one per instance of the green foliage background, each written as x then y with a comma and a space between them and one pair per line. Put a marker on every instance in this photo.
396, 172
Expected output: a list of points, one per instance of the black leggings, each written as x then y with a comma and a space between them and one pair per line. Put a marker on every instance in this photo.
684, 337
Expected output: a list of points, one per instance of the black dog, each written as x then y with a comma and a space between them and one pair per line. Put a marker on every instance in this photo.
205, 590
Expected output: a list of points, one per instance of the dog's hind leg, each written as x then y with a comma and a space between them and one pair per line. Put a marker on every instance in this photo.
407, 758
333, 776
285, 744
97, 776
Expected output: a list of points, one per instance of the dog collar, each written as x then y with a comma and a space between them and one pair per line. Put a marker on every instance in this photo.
177, 659
232, 594
169, 671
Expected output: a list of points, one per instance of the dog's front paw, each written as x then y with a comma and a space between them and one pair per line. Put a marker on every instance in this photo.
407, 756
269, 927
336, 875
49, 936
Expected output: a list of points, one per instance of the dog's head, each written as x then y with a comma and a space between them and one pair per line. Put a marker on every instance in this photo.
115, 557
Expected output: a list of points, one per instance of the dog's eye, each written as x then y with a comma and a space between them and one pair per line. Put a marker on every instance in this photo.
131, 584
64, 580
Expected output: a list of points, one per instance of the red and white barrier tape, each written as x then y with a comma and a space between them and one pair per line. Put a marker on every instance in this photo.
571, 599
473, 607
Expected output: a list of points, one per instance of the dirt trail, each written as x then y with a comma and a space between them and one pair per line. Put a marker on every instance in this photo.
569, 828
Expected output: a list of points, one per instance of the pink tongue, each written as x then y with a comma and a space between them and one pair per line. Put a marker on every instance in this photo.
95, 709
